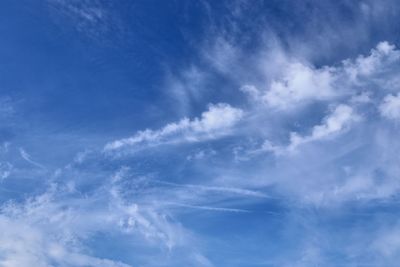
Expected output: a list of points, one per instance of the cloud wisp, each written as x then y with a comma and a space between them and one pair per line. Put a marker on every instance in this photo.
216, 122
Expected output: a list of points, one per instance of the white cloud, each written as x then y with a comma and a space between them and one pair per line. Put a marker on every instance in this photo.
338, 121
297, 84
390, 107
377, 62
300, 83
51, 229
341, 118
213, 123
39, 241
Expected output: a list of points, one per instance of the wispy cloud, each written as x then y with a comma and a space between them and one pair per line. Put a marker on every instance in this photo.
92, 18
340, 119
216, 122
310, 134
221, 189
208, 208
28, 158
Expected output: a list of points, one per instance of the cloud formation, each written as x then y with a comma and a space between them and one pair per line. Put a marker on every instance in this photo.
340, 119
390, 107
300, 83
299, 155
217, 121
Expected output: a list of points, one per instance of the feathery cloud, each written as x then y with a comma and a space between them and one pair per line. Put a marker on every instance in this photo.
216, 122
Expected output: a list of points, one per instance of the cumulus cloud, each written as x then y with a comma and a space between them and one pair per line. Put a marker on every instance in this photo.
379, 60
390, 107
300, 83
296, 85
217, 121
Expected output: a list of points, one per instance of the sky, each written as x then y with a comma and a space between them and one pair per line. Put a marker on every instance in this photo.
199, 133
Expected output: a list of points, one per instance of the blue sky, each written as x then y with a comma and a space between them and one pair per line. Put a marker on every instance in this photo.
199, 133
